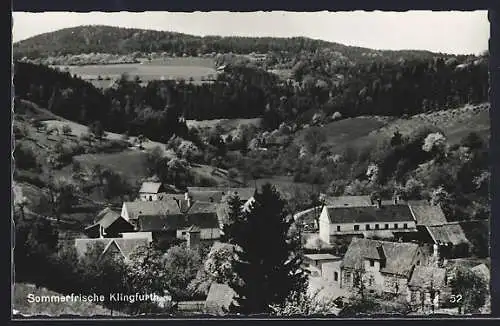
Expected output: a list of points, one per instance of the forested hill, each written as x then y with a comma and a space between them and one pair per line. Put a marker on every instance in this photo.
116, 40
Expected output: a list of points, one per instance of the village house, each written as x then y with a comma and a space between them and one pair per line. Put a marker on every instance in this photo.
317, 260
449, 240
220, 194
426, 286
109, 224
151, 191
112, 246
383, 221
383, 266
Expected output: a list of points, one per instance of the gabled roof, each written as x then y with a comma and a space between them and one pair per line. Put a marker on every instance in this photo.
202, 207
173, 222
427, 277
427, 214
399, 257
150, 187
348, 201
392, 213
159, 207
449, 233
219, 299
125, 245
105, 218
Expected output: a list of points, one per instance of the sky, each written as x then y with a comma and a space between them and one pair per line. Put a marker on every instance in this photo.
448, 31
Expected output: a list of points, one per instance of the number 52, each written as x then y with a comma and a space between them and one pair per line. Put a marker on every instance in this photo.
455, 298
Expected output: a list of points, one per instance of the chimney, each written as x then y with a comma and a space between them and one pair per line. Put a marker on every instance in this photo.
193, 237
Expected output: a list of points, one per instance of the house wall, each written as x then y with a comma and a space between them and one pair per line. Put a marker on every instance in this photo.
124, 213
324, 226
349, 227
147, 196
138, 235
395, 284
205, 234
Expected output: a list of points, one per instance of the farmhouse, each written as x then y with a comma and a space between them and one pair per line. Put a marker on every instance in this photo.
151, 191
426, 286
132, 210
112, 246
449, 240
109, 225
176, 226
382, 266
318, 260
378, 220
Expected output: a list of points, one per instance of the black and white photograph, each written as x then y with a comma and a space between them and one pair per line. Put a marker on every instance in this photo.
238, 164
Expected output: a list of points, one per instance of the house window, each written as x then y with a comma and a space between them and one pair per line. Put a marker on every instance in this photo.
338, 227
387, 226
376, 226
405, 226
372, 263
356, 228
396, 225
368, 226
335, 276
150, 198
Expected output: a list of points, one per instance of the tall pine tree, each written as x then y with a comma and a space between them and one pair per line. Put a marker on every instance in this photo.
268, 262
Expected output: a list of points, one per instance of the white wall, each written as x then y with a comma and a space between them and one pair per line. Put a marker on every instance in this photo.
145, 197
324, 226
136, 235
124, 213
349, 227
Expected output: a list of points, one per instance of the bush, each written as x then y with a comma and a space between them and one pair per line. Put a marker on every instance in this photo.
25, 158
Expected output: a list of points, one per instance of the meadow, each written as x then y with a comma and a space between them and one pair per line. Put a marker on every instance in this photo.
197, 70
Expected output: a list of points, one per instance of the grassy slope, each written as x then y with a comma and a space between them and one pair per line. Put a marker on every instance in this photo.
367, 131
21, 304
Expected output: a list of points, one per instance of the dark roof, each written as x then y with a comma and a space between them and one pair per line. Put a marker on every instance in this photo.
207, 196
125, 245
392, 213
399, 257
178, 221
201, 193
202, 207
348, 201
159, 207
219, 299
448, 233
150, 187
427, 214
193, 228
105, 218
427, 277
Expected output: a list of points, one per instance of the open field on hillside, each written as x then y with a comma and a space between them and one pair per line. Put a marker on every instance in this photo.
225, 124
368, 131
197, 69
23, 306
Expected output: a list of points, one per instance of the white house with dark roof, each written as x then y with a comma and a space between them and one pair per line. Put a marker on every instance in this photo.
383, 266
383, 220
150, 190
